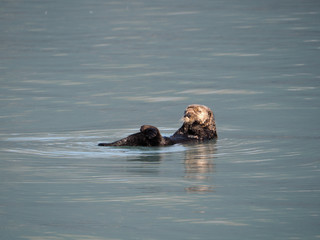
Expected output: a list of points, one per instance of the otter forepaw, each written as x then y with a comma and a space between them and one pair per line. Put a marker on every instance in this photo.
149, 131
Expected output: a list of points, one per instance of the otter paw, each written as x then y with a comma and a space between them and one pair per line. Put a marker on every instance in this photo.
149, 131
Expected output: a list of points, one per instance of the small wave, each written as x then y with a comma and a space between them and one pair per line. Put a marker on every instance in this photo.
77, 145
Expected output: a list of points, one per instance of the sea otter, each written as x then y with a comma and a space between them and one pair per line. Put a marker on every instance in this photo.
198, 125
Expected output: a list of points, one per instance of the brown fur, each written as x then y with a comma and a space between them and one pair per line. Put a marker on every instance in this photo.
198, 125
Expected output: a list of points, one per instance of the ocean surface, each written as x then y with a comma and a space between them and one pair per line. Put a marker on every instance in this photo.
76, 73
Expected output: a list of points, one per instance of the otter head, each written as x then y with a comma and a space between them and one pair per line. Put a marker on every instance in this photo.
199, 114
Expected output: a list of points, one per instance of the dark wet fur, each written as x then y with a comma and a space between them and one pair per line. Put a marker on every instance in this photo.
151, 136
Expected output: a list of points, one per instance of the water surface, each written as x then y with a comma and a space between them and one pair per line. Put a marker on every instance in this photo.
77, 73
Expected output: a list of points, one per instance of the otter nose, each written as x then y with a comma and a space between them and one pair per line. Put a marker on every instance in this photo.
188, 115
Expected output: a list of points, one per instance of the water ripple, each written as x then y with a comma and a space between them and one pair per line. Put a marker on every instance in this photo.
76, 145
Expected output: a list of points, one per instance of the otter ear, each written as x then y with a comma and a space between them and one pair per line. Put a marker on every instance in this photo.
211, 116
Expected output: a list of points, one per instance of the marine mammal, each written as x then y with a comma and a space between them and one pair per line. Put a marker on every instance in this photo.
198, 125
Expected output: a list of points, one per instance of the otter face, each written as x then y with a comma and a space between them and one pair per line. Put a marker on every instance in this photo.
198, 113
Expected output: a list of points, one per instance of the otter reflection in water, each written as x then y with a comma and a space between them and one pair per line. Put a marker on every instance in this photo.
198, 125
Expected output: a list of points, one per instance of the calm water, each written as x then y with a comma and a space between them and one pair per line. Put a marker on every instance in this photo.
75, 73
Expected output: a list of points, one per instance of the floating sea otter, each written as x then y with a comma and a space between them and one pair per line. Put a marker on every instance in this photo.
198, 125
